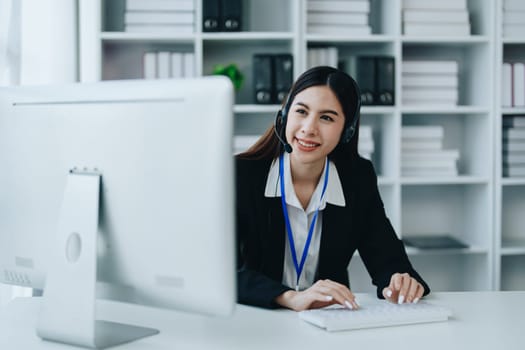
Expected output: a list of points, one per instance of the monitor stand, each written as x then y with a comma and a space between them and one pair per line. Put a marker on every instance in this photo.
68, 312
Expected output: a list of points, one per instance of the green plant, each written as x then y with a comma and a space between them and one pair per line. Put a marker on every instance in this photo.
232, 72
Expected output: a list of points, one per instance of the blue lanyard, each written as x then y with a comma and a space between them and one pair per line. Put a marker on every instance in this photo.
299, 266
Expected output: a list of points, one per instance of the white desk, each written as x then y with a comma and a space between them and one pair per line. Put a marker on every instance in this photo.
482, 320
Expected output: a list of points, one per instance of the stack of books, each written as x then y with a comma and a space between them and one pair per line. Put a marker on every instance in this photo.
436, 18
160, 16
338, 17
422, 152
241, 143
365, 144
322, 56
514, 146
166, 64
513, 84
513, 18
430, 82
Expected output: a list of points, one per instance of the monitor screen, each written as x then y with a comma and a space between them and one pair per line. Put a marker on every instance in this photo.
133, 179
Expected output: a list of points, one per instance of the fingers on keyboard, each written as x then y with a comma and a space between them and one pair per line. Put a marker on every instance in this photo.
339, 292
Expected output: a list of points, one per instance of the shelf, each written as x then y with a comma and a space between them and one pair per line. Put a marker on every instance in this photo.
513, 41
513, 110
513, 246
459, 180
444, 110
460, 40
514, 181
411, 251
247, 36
454, 251
379, 38
219, 37
146, 37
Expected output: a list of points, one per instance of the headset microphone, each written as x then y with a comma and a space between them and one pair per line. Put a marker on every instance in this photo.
287, 147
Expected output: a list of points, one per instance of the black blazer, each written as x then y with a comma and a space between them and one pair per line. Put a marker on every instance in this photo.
361, 225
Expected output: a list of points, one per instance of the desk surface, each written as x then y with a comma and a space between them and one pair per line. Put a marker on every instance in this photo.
482, 320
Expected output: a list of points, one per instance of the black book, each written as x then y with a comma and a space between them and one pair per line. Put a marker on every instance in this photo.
434, 242
263, 78
211, 15
283, 69
231, 15
365, 77
385, 78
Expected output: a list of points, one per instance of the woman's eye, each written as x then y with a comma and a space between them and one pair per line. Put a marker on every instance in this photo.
327, 118
300, 111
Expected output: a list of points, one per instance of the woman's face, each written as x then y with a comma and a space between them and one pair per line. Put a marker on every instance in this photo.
315, 123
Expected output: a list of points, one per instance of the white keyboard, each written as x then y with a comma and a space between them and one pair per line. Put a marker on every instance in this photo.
377, 314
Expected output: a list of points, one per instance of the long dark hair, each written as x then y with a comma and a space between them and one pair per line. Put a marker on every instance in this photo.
345, 89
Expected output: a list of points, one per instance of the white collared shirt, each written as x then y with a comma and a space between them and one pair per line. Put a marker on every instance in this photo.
300, 219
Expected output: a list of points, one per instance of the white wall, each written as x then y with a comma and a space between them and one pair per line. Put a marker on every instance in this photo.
48, 42
38, 42
9, 42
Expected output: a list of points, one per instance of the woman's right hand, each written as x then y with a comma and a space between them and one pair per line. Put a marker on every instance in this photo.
322, 293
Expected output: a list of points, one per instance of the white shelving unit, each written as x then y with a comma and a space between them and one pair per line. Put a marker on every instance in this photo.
478, 206
509, 192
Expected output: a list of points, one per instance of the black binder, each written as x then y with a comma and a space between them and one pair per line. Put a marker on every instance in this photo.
283, 69
211, 15
365, 77
385, 78
262, 78
231, 15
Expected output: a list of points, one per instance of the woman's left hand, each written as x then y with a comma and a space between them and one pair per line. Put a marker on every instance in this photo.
403, 289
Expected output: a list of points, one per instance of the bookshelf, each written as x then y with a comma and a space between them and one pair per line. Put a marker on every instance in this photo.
509, 191
478, 206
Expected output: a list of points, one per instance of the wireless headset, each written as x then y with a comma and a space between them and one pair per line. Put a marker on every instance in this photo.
350, 125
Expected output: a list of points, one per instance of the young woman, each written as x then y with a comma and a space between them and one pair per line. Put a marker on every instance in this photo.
306, 202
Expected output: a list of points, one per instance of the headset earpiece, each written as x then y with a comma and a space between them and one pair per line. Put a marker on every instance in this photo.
283, 114
348, 133
280, 123
350, 129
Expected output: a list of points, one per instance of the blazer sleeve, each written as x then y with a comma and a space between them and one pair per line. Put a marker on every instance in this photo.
254, 286
382, 252
257, 289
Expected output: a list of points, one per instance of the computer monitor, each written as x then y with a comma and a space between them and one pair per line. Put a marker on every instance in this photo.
124, 188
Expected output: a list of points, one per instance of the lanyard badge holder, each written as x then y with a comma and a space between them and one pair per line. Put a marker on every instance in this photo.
299, 265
